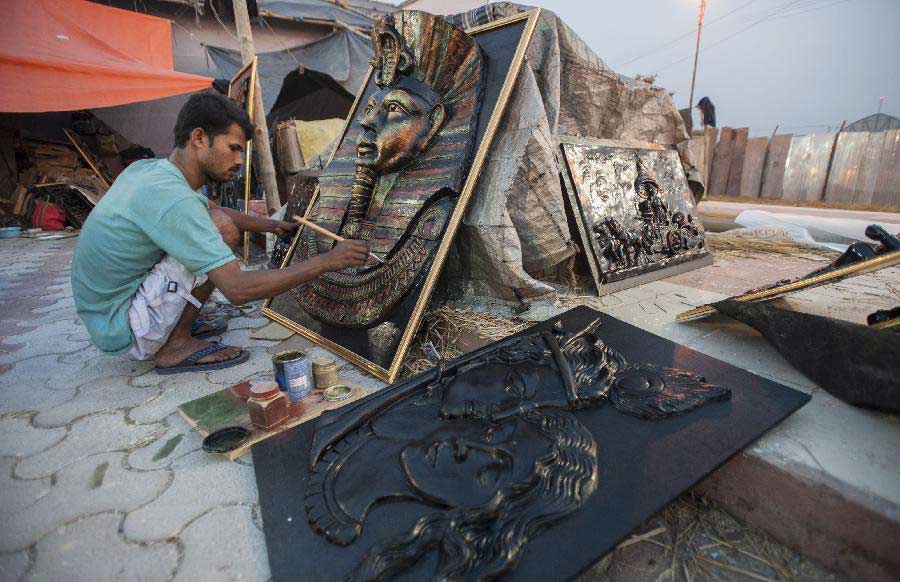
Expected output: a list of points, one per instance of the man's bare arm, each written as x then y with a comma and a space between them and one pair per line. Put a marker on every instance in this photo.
246, 222
240, 287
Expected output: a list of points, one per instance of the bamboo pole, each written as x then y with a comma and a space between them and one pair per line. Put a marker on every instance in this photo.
265, 164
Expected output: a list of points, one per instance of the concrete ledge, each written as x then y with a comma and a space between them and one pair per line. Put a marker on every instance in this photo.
825, 519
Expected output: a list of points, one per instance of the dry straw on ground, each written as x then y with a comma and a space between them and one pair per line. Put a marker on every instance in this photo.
744, 245
693, 539
444, 325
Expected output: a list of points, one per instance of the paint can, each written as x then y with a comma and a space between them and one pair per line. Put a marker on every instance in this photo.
292, 374
324, 371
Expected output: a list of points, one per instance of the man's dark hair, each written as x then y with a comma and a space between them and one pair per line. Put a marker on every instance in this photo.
211, 112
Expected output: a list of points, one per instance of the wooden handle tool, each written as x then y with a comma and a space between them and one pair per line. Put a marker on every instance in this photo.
329, 234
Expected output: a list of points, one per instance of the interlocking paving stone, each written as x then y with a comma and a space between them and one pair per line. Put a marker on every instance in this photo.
228, 527
91, 549
153, 455
98, 433
82, 356
19, 438
18, 397
105, 366
201, 483
65, 303
91, 485
176, 390
103, 395
13, 566
241, 337
259, 360
19, 494
49, 338
40, 369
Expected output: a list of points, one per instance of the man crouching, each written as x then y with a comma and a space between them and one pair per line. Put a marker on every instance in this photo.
152, 251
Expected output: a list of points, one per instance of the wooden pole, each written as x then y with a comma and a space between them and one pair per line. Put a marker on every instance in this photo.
696, 54
265, 164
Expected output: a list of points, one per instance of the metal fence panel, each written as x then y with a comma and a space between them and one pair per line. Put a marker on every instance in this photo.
887, 186
807, 166
718, 178
773, 174
869, 168
754, 161
737, 161
844, 177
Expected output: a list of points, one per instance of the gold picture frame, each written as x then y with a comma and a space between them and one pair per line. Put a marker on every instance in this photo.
242, 88
868, 266
529, 21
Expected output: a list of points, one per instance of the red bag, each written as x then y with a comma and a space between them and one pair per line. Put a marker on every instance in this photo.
48, 216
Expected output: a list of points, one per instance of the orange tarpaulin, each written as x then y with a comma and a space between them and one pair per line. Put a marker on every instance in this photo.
63, 55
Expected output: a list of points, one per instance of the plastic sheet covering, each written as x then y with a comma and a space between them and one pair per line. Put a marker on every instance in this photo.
516, 224
343, 55
63, 55
314, 10
834, 233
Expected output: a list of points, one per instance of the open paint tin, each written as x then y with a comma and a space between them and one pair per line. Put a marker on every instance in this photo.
226, 439
337, 392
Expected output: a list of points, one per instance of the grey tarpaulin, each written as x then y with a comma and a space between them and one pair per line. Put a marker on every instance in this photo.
516, 225
343, 55
315, 10
148, 123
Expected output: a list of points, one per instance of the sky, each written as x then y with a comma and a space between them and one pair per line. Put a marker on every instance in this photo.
805, 65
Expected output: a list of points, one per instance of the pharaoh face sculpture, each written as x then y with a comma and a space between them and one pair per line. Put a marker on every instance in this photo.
397, 173
398, 124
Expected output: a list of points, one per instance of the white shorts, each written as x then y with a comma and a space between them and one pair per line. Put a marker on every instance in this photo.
158, 304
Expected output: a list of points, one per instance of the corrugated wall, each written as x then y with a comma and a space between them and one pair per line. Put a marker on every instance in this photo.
807, 167
851, 168
887, 186
773, 172
754, 162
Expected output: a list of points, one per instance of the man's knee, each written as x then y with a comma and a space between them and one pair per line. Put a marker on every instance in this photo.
227, 228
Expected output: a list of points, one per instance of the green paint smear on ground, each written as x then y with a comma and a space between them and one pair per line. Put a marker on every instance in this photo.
214, 411
167, 448
98, 475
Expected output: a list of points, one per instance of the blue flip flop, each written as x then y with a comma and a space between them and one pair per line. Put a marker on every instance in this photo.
189, 364
220, 326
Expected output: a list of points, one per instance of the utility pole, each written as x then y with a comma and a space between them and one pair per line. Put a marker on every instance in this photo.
265, 165
696, 53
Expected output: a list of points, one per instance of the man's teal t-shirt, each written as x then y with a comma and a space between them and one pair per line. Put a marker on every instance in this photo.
148, 212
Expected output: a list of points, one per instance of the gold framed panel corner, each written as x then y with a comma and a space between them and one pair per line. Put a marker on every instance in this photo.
86, 156
390, 373
245, 99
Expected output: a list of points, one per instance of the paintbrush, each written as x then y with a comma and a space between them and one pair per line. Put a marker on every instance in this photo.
329, 234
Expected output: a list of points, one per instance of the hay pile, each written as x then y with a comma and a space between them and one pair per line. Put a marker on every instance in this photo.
694, 539
443, 326
747, 245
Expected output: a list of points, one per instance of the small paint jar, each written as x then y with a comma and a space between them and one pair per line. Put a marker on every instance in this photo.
324, 373
267, 405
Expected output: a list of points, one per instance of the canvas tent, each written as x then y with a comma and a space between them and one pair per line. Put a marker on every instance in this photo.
314, 10
343, 56
65, 55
